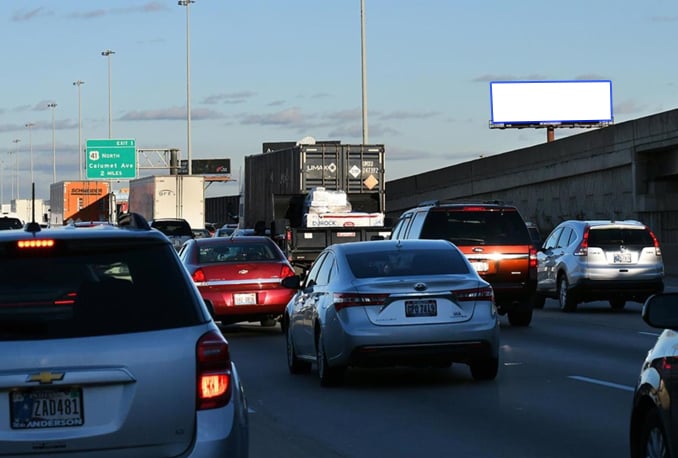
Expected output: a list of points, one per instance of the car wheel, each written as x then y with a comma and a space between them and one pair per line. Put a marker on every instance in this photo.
538, 301
617, 303
484, 369
653, 439
520, 317
294, 364
565, 298
329, 376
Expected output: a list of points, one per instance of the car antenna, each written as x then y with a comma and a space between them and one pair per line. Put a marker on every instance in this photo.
32, 226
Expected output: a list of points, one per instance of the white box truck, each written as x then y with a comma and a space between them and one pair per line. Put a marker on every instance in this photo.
169, 196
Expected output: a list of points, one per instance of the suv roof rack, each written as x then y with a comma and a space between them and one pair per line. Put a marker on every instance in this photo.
438, 202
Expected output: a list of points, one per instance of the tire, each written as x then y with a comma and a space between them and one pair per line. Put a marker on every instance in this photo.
654, 443
617, 303
484, 369
329, 376
538, 301
294, 364
565, 298
521, 316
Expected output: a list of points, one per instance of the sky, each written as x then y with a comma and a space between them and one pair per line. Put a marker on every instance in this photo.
272, 70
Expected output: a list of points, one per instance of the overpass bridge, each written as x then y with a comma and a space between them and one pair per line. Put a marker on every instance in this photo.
623, 171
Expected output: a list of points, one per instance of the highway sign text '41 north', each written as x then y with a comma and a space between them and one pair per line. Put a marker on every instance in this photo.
111, 159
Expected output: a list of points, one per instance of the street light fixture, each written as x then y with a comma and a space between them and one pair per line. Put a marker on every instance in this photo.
107, 53
78, 84
53, 105
30, 146
187, 4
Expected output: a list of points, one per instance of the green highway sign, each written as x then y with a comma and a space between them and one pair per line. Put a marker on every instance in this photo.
111, 159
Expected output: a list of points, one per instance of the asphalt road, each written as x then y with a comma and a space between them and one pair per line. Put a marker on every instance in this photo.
564, 389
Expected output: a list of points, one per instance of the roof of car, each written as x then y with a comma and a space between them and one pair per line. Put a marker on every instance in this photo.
601, 222
352, 247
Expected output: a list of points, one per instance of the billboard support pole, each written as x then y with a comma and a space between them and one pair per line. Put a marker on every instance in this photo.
550, 134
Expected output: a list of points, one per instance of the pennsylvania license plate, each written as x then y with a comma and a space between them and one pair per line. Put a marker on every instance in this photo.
418, 308
245, 299
49, 408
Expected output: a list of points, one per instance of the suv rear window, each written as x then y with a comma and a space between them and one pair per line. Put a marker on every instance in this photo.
10, 223
619, 236
488, 227
82, 288
173, 228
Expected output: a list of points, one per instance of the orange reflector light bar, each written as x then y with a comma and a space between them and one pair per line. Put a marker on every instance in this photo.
35, 243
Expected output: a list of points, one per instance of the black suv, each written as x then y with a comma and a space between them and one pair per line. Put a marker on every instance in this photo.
494, 238
176, 229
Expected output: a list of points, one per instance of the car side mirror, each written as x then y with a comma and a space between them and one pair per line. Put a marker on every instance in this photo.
293, 282
661, 311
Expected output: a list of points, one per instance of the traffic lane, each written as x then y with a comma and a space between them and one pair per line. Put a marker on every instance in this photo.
559, 393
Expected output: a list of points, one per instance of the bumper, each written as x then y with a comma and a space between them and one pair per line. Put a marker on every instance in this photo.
636, 290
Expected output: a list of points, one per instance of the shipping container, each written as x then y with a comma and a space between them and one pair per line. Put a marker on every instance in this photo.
222, 210
66, 198
277, 182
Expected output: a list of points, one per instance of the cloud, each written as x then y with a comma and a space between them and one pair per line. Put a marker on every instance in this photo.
43, 105
408, 115
150, 7
590, 76
288, 117
499, 77
276, 103
21, 16
229, 98
170, 114
628, 107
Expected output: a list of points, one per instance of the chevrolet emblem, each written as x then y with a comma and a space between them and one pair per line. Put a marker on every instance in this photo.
45, 378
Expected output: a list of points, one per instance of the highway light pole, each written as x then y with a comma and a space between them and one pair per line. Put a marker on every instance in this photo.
16, 164
107, 53
364, 68
187, 4
78, 84
53, 105
30, 147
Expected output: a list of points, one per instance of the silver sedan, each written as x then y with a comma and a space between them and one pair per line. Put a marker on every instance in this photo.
391, 303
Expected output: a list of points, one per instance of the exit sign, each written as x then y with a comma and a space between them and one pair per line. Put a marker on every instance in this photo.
111, 159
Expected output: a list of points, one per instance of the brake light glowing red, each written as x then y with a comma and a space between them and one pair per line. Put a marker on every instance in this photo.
475, 294
35, 243
583, 248
213, 371
657, 250
199, 276
343, 300
286, 271
533, 258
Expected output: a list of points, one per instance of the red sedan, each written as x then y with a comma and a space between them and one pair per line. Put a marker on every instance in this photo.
239, 277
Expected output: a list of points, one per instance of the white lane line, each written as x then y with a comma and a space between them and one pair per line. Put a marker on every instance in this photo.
653, 334
602, 382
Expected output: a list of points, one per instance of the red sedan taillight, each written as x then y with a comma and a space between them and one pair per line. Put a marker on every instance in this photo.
286, 271
198, 276
213, 371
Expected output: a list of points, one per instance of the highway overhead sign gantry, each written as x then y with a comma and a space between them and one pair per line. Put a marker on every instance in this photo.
111, 159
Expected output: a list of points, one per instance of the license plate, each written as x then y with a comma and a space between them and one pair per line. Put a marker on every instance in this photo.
245, 299
480, 266
421, 308
50, 408
622, 258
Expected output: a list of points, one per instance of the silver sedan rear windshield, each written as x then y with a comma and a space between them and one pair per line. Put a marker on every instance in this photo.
79, 288
398, 263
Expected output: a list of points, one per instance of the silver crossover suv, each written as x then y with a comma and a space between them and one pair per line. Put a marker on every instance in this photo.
584, 261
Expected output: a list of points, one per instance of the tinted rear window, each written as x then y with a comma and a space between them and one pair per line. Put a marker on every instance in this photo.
619, 236
173, 228
234, 252
476, 227
398, 263
10, 223
88, 288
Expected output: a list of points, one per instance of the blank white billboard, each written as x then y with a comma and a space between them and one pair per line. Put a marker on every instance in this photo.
550, 102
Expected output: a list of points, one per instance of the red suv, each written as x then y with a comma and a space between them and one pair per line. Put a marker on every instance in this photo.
494, 238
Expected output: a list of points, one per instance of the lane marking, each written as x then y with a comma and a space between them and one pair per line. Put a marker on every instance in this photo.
602, 382
653, 334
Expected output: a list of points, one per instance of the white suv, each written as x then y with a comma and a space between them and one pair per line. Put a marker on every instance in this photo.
585, 261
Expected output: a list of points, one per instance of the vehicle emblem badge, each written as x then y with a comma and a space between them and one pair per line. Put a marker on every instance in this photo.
243, 271
420, 286
45, 378
477, 250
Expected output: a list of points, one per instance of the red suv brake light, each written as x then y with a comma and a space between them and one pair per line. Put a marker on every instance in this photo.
583, 248
657, 249
213, 378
